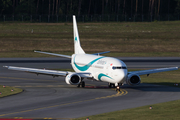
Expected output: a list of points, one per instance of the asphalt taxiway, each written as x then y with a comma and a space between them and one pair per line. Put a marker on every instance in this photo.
48, 97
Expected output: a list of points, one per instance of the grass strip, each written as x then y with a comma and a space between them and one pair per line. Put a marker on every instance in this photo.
170, 78
162, 111
7, 91
121, 38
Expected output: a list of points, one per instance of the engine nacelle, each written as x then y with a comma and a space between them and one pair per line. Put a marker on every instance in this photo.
133, 79
73, 79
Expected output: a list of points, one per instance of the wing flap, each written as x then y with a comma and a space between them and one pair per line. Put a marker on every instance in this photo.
38, 71
144, 72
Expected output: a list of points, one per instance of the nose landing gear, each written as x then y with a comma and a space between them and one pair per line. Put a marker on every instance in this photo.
111, 85
117, 88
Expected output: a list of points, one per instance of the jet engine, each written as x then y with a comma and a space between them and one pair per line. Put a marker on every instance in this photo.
73, 79
133, 79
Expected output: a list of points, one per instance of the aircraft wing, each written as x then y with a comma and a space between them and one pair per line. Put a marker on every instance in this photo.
54, 73
60, 55
144, 72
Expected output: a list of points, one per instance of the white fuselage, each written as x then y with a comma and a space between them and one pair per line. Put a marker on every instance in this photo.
106, 69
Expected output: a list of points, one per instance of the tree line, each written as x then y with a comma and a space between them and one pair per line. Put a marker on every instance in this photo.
89, 7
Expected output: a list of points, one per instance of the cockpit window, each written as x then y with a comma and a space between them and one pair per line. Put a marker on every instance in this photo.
114, 67
124, 67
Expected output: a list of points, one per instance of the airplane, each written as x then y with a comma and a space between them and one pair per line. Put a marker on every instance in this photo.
94, 67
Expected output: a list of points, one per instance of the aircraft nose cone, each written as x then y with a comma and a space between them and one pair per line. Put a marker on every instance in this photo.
122, 75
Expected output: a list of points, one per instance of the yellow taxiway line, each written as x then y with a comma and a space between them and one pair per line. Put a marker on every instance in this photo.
119, 93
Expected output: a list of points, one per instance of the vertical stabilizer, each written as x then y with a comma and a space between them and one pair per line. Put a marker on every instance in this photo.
77, 45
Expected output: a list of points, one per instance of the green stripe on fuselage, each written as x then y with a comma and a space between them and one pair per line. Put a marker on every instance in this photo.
86, 67
101, 75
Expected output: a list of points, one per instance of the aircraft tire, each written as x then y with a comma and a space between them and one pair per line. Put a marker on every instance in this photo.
111, 85
83, 84
117, 88
79, 85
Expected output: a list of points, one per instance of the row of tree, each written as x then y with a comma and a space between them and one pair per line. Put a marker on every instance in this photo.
89, 7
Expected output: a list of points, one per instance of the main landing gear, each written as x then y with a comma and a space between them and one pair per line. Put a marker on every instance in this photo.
111, 85
81, 84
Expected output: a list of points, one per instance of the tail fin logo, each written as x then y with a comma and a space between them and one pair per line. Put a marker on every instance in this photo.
75, 39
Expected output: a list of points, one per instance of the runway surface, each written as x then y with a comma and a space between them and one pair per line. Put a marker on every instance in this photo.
48, 97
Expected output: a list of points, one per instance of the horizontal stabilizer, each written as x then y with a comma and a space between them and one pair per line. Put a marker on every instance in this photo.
60, 55
101, 53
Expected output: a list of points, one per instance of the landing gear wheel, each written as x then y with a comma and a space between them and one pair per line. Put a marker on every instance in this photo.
117, 88
83, 84
111, 85
79, 85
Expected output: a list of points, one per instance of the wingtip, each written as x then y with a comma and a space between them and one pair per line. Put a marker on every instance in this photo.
37, 51
176, 68
6, 66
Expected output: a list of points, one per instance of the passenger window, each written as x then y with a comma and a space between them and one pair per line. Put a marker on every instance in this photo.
124, 68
